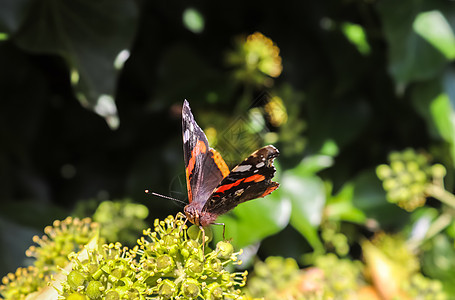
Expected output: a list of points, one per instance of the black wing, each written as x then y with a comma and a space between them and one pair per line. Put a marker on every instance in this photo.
204, 167
249, 180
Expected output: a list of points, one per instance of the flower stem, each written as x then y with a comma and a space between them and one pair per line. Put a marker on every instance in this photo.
441, 194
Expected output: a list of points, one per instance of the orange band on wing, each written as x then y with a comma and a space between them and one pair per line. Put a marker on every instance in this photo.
228, 186
255, 178
220, 163
198, 149
269, 190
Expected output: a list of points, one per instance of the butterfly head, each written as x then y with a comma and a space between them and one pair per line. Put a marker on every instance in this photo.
197, 216
192, 214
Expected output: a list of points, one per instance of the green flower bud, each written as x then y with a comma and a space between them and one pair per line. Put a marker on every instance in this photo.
412, 166
75, 279
189, 247
94, 289
422, 159
194, 267
164, 263
383, 172
224, 250
213, 291
118, 273
191, 288
194, 233
92, 268
169, 240
167, 289
397, 166
394, 155
389, 184
149, 264
76, 296
438, 171
420, 177
416, 189
405, 178
133, 294
214, 265
112, 295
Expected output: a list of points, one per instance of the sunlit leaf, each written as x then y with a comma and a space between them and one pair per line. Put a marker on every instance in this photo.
357, 36
193, 20
433, 27
340, 207
307, 196
435, 107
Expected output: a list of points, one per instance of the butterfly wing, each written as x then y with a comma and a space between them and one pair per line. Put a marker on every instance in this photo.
204, 167
249, 180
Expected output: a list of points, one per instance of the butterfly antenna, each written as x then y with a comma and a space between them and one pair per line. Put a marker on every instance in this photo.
165, 197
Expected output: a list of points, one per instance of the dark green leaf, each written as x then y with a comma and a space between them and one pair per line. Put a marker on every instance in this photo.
255, 220
433, 103
370, 198
410, 56
87, 34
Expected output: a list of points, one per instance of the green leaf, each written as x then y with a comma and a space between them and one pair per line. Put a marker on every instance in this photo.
434, 105
87, 34
255, 220
312, 164
370, 198
193, 20
410, 56
11, 13
340, 207
439, 262
307, 195
357, 36
434, 28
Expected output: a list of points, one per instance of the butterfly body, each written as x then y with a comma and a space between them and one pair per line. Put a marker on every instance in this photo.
214, 190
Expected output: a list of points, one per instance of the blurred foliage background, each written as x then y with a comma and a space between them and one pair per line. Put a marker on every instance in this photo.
90, 103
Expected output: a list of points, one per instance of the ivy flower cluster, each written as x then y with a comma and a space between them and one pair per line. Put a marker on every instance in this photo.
257, 59
165, 264
406, 178
51, 254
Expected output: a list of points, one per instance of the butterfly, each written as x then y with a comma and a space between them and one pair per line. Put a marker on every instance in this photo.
213, 190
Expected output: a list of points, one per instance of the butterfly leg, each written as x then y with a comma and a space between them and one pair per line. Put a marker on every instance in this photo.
184, 223
224, 229
203, 241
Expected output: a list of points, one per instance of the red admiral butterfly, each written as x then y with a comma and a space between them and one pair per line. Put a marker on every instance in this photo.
212, 189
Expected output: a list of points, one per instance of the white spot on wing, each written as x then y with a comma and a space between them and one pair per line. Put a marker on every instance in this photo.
260, 165
186, 136
239, 192
243, 168
191, 127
